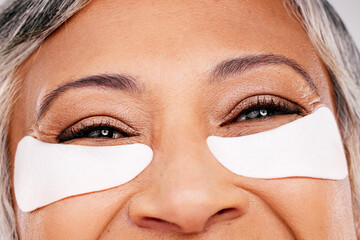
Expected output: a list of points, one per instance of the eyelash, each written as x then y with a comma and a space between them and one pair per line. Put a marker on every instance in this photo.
253, 108
261, 107
97, 130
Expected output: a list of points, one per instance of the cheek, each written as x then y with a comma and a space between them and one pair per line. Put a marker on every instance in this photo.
297, 159
80, 217
65, 178
305, 204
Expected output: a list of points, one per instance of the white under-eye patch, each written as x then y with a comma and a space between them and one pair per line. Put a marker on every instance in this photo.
307, 147
45, 172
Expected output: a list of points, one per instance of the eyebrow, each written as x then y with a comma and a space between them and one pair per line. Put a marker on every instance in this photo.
129, 84
112, 81
242, 64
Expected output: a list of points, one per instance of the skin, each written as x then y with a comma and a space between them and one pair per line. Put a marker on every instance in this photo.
171, 49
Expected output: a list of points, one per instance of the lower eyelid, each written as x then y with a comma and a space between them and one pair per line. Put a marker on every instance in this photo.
253, 126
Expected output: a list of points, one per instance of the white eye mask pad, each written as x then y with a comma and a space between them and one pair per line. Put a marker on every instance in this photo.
307, 147
45, 172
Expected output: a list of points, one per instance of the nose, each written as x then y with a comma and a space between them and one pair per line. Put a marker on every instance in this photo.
189, 193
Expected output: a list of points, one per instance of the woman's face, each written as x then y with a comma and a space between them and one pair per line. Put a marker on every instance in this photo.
178, 53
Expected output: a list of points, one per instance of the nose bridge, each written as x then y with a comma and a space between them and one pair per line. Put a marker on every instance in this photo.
186, 168
181, 153
183, 160
189, 191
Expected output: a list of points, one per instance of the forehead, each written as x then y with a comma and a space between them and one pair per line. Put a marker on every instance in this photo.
168, 37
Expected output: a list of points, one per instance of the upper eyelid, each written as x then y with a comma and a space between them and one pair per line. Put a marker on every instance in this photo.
110, 81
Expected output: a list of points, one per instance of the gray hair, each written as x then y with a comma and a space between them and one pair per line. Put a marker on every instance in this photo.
23, 27
25, 24
341, 57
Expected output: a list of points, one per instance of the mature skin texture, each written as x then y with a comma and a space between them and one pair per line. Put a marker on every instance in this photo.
171, 48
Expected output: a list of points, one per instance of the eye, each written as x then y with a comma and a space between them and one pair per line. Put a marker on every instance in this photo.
101, 132
262, 107
254, 114
94, 127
